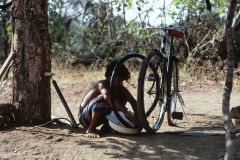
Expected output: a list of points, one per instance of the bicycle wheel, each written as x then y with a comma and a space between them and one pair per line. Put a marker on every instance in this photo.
174, 96
150, 91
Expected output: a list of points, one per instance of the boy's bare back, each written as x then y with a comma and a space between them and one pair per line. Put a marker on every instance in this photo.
94, 92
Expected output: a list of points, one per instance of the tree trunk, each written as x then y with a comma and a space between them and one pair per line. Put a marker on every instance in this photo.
32, 46
230, 133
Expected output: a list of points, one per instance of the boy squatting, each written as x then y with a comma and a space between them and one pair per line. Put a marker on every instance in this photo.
96, 103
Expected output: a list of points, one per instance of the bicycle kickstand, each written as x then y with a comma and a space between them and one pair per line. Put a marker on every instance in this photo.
182, 105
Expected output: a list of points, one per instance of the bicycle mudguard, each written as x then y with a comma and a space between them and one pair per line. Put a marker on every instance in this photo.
175, 33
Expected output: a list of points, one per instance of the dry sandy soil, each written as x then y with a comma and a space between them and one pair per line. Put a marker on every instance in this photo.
202, 138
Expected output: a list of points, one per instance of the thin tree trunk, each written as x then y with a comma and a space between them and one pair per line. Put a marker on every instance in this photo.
99, 24
83, 27
4, 31
32, 46
230, 133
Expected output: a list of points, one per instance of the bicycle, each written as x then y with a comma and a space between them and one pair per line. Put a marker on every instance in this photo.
158, 83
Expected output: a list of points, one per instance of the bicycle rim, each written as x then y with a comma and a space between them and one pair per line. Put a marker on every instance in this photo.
113, 77
150, 112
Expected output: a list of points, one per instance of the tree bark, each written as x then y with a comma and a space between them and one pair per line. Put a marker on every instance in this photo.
230, 133
32, 46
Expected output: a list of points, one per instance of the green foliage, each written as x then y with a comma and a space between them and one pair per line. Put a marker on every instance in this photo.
56, 27
92, 38
5, 34
93, 30
195, 13
9, 31
186, 66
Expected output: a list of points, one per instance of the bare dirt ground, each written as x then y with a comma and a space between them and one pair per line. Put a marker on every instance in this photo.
202, 138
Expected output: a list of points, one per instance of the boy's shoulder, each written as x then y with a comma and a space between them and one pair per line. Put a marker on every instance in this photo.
103, 82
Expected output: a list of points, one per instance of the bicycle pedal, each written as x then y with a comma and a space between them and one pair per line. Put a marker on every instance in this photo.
177, 115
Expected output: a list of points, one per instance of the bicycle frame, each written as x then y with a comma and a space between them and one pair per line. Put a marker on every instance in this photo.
168, 63
169, 59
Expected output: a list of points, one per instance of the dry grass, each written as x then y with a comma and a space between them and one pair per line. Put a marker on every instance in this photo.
214, 78
70, 75
67, 74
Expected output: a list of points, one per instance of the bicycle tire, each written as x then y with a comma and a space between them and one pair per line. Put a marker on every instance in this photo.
113, 77
150, 91
174, 96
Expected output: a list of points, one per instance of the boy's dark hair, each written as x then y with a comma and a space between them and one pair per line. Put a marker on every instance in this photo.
123, 73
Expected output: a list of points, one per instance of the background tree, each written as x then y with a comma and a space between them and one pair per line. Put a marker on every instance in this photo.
5, 22
86, 31
230, 132
32, 48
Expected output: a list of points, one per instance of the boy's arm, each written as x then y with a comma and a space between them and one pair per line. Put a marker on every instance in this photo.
134, 119
106, 96
93, 93
104, 90
129, 98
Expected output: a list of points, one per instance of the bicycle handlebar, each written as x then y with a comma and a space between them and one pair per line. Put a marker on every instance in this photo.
174, 31
179, 27
173, 27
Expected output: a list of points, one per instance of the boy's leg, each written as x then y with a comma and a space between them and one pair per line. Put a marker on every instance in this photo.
90, 121
105, 127
91, 131
93, 115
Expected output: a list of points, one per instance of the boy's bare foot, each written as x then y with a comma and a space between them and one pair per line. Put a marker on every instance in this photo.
92, 134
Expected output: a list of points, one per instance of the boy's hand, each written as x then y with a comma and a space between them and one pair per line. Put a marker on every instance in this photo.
132, 119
